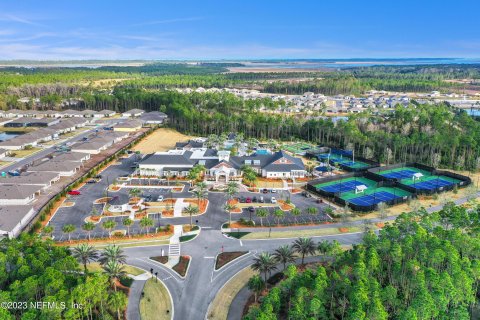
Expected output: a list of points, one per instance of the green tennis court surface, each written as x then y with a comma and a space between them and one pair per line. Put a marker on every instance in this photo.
300, 147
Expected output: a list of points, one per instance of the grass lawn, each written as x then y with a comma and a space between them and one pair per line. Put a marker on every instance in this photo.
298, 233
95, 267
156, 302
128, 243
219, 307
25, 153
4, 163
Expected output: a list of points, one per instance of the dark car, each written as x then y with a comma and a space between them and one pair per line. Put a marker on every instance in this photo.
92, 181
242, 200
265, 191
251, 209
98, 176
254, 200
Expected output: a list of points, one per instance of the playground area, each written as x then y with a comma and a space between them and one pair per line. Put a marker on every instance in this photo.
420, 179
299, 148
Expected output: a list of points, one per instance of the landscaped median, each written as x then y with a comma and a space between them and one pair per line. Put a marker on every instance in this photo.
181, 268
225, 258
290, 232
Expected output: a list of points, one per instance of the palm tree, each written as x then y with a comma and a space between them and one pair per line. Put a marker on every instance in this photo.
114, 271
232, 189
264, 263
202, 186
256, 284
112, 253
262, 213
304, 246
117, 301
68, 229
191, 210
278, 213
312, 211
127, 222
324, 247
85, 253
200, 195
229, 208
88, 227
284, 254
146, 223
295, 212
109, 225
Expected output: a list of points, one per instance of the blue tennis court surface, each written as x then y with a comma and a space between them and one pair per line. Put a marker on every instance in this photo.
402, 174
431, 184
342, 187
372, 199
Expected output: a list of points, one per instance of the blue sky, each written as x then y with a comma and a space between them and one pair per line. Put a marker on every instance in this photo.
238, 29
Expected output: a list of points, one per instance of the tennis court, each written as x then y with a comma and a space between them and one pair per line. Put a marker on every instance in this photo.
345, 185
298, 148
431, 182
403, 173
374, 196
343, 161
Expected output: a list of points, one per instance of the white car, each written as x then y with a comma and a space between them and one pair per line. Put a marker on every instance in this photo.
274, 200
160, 199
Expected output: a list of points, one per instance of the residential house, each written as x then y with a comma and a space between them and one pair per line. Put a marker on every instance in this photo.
14, 218
14, 194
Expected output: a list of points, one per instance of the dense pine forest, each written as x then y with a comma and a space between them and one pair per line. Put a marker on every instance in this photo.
433, 134
423, 266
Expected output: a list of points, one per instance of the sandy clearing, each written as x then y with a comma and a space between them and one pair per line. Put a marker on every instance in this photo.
162, 139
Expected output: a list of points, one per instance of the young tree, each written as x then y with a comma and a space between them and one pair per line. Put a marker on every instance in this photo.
312, 211
127, 222
279, 214
109, 225
48, 230
262, 213
256, 284
304, 247
295, 212
229, 208
117, 301
146, 223
284, 255
88, 228
264, 263
85, 253
68, 229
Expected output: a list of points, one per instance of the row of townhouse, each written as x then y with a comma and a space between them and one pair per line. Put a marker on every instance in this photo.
17, 193
43, 134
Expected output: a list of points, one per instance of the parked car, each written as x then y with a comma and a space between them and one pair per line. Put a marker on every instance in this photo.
241, 200
273, 200
74, 193
273, 191
261, 200
319, 201
98, 176
251, 209
265, 191
254, 200
160, 198
92, 181
248, 200
306, 194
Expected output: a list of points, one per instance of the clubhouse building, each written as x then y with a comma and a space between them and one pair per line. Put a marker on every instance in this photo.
220, 164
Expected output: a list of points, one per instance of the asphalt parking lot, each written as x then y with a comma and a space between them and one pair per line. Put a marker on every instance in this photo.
214, 218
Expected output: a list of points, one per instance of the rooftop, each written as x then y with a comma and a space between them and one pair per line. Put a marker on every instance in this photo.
15, 191
10, 216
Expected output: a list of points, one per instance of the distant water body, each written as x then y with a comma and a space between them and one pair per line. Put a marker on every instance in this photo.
7, 135
350, 63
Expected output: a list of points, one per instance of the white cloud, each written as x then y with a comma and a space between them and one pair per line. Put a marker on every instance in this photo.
15, 18
166, 21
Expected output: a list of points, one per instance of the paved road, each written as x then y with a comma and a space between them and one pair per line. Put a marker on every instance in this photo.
43, 153
193, 295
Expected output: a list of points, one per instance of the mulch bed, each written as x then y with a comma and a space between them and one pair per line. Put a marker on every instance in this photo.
161, 259
182, 266
343, 230
225, 257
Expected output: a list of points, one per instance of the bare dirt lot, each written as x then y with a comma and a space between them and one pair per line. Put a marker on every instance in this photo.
162, 139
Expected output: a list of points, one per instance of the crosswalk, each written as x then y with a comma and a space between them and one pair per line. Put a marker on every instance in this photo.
174, 250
